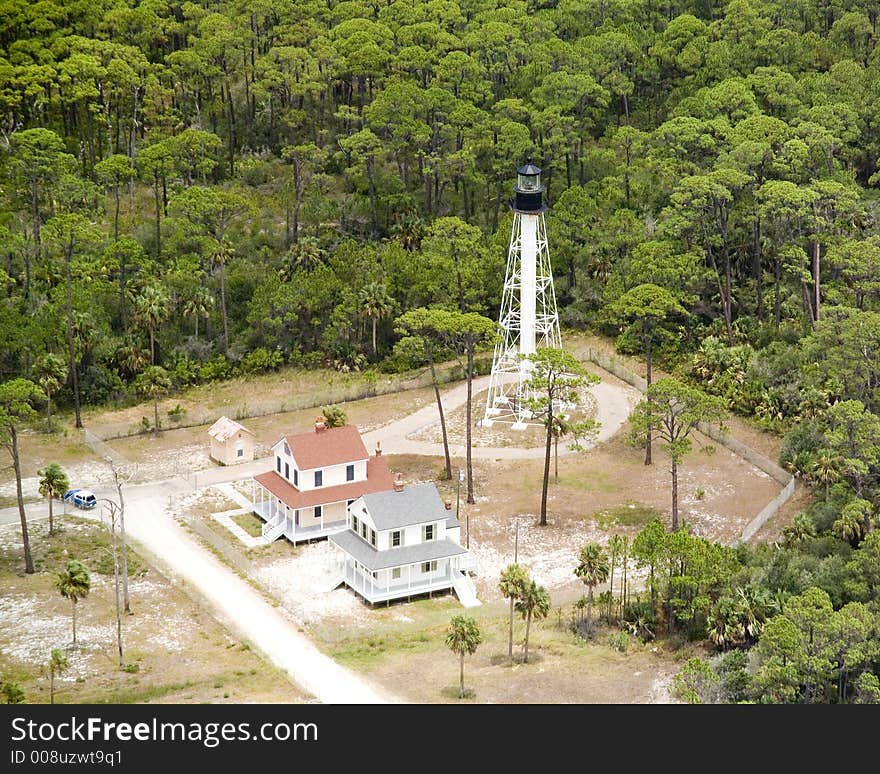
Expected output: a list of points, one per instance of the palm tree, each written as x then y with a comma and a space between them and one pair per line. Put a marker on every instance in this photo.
151, 308
828, 468
306, 254
53, 483
463, 638
559, 427
57, 664
534, 602
51, 376
850, 525
513, 580
376, 305
74, 584
800, 530
592, 569
755, 606
132, 358
198, 305
724, 625
153, 384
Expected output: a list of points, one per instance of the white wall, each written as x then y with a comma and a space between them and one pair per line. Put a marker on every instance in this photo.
333, 475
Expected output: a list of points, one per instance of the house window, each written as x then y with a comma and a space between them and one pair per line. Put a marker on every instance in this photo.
395, 573
429, 566
374, 574
427, 532
239, 451
349, 472
372, 537
287, 470
295, 477
278, 464
396, 538
319, 478
318, 510
286, 449
354, 523
363, 530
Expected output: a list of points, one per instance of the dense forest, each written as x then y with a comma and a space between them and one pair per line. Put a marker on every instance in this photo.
191, 190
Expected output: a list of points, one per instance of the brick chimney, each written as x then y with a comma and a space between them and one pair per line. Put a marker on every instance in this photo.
398, 483
378, 448
448, 505
319, 424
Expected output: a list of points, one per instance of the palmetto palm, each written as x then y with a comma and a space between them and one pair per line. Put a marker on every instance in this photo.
376, 304
754, 605
463, 638
410, 231
827, 468
592, 569
198, 305
74, 583
53, 483
306, 254
511, 584
560, 426
51, 372
132, 359
533, 602
152, 307
798, 531
850, 525
724, 625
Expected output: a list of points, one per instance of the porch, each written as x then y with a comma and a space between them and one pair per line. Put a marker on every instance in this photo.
280, 520
411, 583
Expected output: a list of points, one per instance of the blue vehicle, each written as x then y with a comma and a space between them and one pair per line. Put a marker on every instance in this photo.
81, 498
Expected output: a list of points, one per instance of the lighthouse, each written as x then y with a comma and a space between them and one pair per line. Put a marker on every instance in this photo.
528, 318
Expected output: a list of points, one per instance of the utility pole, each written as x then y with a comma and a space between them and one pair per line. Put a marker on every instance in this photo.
114, 510
516, 542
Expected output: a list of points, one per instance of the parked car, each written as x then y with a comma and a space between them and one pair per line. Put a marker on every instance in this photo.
81, 498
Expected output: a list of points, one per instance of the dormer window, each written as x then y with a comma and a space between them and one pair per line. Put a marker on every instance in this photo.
295, 477
319, 478
428, 533
349, 472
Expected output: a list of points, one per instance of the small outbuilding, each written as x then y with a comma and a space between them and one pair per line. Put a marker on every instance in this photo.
231, 443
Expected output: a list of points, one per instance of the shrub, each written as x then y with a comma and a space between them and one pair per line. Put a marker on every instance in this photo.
620, 641
261, 359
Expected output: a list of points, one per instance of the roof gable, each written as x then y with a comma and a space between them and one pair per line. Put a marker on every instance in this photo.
418, 504
224, 428
330, 446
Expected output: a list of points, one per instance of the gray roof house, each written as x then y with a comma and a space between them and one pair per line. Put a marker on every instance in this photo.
403, 543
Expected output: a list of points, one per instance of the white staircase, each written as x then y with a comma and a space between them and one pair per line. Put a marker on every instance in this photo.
464, 589
273, 530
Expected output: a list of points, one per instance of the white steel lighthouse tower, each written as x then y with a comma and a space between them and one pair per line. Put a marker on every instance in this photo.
528, 318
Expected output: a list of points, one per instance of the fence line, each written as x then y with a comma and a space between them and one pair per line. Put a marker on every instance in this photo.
343, 393
780, 475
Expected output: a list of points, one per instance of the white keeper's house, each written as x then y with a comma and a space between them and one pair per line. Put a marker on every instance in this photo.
403, 543
316, 476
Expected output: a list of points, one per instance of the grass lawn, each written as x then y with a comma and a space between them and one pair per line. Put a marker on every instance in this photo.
249, 523
404, 649
177, 651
